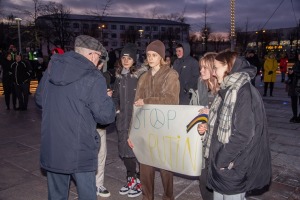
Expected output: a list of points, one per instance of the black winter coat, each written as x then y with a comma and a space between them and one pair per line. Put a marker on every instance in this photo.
123, 96
188, 71
73, 97
248, 147
21, 72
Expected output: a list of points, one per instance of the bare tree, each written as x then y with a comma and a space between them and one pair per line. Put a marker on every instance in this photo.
178, 17
32, 16
58, 15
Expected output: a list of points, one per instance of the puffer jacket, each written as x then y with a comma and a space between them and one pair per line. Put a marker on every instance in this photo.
244, 163
73, 97
162, 88
123, 96
188, 70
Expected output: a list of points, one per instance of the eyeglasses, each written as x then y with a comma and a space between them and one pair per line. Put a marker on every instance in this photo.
99, 55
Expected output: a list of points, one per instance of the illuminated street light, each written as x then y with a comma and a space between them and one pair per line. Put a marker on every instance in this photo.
19, 33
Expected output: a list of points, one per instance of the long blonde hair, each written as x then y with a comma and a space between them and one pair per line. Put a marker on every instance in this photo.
207, 61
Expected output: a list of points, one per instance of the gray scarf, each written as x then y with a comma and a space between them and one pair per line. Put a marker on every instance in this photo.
234, 82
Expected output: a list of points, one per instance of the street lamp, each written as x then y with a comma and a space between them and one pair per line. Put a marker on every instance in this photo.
19, 33
232, 22
141, 35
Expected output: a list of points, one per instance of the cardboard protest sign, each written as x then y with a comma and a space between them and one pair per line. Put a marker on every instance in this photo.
160, 138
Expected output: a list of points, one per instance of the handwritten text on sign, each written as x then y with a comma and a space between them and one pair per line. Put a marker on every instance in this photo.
160, 139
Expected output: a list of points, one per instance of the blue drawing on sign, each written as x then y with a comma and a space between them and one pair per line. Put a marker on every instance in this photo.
157, 118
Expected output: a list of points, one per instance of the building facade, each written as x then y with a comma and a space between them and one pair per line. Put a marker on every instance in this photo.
113, 32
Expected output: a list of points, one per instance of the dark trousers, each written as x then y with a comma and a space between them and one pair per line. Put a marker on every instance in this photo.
130, 164
295, 101
22, 92
206, 193
147, 180
9, 90
58, 185
266, 84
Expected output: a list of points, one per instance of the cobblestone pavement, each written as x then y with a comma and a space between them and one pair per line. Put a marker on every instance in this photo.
22, 179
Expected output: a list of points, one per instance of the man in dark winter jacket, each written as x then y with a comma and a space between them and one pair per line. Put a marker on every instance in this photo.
73, 97
188, 70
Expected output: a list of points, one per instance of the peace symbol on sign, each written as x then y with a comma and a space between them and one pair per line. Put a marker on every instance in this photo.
157, 118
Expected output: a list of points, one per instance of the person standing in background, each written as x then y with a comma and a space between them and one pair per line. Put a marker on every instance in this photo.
21, 76
270, 67
283, 66
7, 80
188, 69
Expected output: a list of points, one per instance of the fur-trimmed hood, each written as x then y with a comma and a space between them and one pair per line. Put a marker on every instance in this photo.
137, 73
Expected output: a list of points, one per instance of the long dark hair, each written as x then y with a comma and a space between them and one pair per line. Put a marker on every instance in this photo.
227, 58
119, 67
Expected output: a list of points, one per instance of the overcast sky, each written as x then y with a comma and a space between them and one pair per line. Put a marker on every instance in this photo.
256, 12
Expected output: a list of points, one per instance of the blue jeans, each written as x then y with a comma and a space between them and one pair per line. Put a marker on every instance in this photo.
58, 185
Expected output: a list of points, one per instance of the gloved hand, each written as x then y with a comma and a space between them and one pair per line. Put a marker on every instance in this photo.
270, 72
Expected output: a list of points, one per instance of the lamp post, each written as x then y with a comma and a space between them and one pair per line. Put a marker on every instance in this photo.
101, 27
232, 25
19, 33
141, 35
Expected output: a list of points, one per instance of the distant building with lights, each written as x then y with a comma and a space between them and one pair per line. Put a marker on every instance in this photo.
115, 32
275, 40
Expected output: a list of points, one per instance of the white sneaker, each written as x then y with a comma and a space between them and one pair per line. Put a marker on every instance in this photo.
126, 188
136, 190
102, 192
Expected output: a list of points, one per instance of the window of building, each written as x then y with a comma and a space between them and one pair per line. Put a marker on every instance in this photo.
122, 27
139, 28
155, 37
94, 26
154, 28
163, 28
114, 43
105, 43
75, 25
67, 24
131, 28
85, 26
147, 28
113, 35
113, 27
105, 35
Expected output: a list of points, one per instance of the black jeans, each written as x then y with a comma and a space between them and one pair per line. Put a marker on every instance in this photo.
295, 100
130, 164
266, 88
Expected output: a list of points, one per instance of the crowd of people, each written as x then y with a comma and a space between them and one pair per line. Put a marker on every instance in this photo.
78, 100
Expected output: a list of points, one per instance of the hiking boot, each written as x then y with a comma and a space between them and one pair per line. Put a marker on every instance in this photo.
102, 192
131, 181
136, 189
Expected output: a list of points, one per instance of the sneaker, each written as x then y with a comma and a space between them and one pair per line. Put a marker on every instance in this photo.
102, 192
130, 183
136, 189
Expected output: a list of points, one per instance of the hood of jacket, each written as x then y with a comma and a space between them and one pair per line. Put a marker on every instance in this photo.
186, 49
242, 65
68, 68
